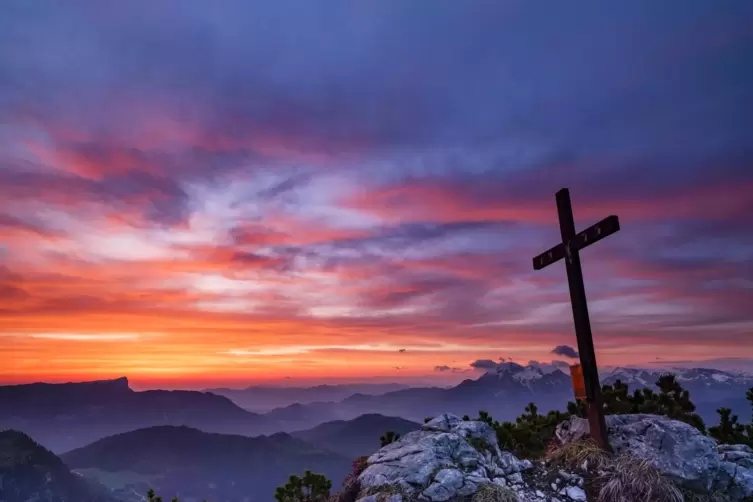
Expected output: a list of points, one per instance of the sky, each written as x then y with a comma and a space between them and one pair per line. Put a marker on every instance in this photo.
199, 193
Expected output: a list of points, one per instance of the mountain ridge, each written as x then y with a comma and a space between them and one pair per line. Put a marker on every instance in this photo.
65, 416
189, 463
356, 437
29, 471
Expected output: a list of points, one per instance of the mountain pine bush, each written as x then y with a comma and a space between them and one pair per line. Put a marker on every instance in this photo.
310, 488
531, 433
388, 438
729, 430
671, 401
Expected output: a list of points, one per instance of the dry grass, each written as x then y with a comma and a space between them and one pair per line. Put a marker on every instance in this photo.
573, 455
716, 496
634, 480
494, 493
383, 492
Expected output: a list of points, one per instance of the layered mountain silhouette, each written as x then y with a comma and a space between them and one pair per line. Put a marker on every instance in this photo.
195, 465
503, 392
353, 438
30, 472
66, 416
263, 399
507, 389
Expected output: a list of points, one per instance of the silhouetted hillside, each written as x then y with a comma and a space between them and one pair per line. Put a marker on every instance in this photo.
185, 462
505, 391
263, 399
30, 472
66, 416
353, 438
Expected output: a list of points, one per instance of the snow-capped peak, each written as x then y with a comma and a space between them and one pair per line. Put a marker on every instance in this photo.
526, 375
648, 376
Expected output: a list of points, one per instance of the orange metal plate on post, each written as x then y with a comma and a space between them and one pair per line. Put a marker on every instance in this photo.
579, 384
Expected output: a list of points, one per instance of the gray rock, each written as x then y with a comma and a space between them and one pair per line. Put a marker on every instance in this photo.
444, 423
571, 430
677, 449
740, 457
369, 498
515, 478
744, 448
735, 481
447, 459
509, 463
446, 484
575, 493
743, 483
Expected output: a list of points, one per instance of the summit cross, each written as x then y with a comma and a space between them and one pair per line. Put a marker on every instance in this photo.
569, 249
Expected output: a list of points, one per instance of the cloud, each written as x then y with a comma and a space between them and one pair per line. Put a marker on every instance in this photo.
484, 364
89, 337
565, 350
560, 364
444, 368
192, 171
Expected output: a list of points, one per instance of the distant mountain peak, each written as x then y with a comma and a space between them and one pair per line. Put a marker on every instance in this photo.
647, 377
525, 375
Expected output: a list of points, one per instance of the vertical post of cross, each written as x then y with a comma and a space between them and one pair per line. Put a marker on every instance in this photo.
580, 317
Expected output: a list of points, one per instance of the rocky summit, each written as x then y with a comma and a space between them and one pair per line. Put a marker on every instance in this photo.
678, 450
450, 459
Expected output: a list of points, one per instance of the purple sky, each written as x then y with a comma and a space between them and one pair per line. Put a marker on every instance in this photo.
254, 190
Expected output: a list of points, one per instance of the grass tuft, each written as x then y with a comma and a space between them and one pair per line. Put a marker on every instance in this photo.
634, 480
716, 496
383, 492
573, 455
494, 493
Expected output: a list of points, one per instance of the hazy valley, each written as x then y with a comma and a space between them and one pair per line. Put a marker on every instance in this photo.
119, 442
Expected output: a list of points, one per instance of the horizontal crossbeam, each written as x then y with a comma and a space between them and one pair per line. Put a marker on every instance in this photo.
594, 233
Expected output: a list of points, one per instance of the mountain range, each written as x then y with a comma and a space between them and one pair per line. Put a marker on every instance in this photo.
194, 465
196, 445
30, 472
185, 462
66, 416
709, 388
264, 399
357, 437
507, 389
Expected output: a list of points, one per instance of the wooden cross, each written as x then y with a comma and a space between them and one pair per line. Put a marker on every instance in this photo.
570, 248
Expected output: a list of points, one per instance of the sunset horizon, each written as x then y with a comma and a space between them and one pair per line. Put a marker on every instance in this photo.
199, 196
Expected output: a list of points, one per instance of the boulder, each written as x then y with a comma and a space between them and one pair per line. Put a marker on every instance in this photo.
449, 459
677, 449
739, 454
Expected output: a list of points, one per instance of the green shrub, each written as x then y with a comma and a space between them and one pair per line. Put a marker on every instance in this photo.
529, 435
310, 488
532, 433
388, 438
671, 401
729, 430
152, 497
